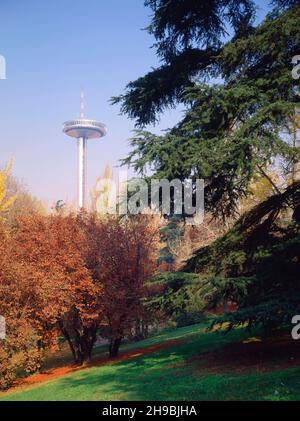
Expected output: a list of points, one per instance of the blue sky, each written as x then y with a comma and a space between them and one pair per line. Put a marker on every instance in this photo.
52, 49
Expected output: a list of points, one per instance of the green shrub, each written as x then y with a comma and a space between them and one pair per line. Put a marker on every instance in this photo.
189, 318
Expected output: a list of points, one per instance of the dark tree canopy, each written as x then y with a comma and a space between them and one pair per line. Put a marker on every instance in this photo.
235, 81
180, 25
189, 36
254, 265
231, 130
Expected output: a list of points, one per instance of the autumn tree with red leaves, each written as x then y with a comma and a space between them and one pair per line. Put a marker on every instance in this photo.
70, 275
127, 258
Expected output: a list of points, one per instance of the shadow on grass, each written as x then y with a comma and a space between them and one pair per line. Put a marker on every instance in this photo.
169, 374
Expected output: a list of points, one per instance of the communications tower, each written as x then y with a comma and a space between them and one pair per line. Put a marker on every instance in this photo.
83, 129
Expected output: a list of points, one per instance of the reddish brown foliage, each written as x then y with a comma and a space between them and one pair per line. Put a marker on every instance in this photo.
126, 260
71, 275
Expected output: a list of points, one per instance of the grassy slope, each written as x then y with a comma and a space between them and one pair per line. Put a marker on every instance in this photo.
162, 375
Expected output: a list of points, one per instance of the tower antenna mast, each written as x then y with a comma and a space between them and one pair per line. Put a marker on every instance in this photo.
82, 103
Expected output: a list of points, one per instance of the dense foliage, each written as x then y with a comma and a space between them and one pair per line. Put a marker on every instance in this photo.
72, 276
235, 81
231, 129
255, 265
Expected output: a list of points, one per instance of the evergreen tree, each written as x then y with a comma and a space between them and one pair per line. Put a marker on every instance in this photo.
255, 265
235, 81
233, 129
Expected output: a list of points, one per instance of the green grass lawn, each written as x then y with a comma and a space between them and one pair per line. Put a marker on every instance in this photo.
169, 374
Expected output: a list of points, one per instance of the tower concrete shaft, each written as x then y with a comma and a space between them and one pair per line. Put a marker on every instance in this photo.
81, 183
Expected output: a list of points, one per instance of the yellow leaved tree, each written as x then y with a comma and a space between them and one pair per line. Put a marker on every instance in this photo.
5, 202
103, 193
263, 186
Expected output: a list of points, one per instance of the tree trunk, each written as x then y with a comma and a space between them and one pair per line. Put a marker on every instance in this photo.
114, 347
269, 327
141, 330
225, 305
138, 331
81, 342
84, 342
68, 338
145, 329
